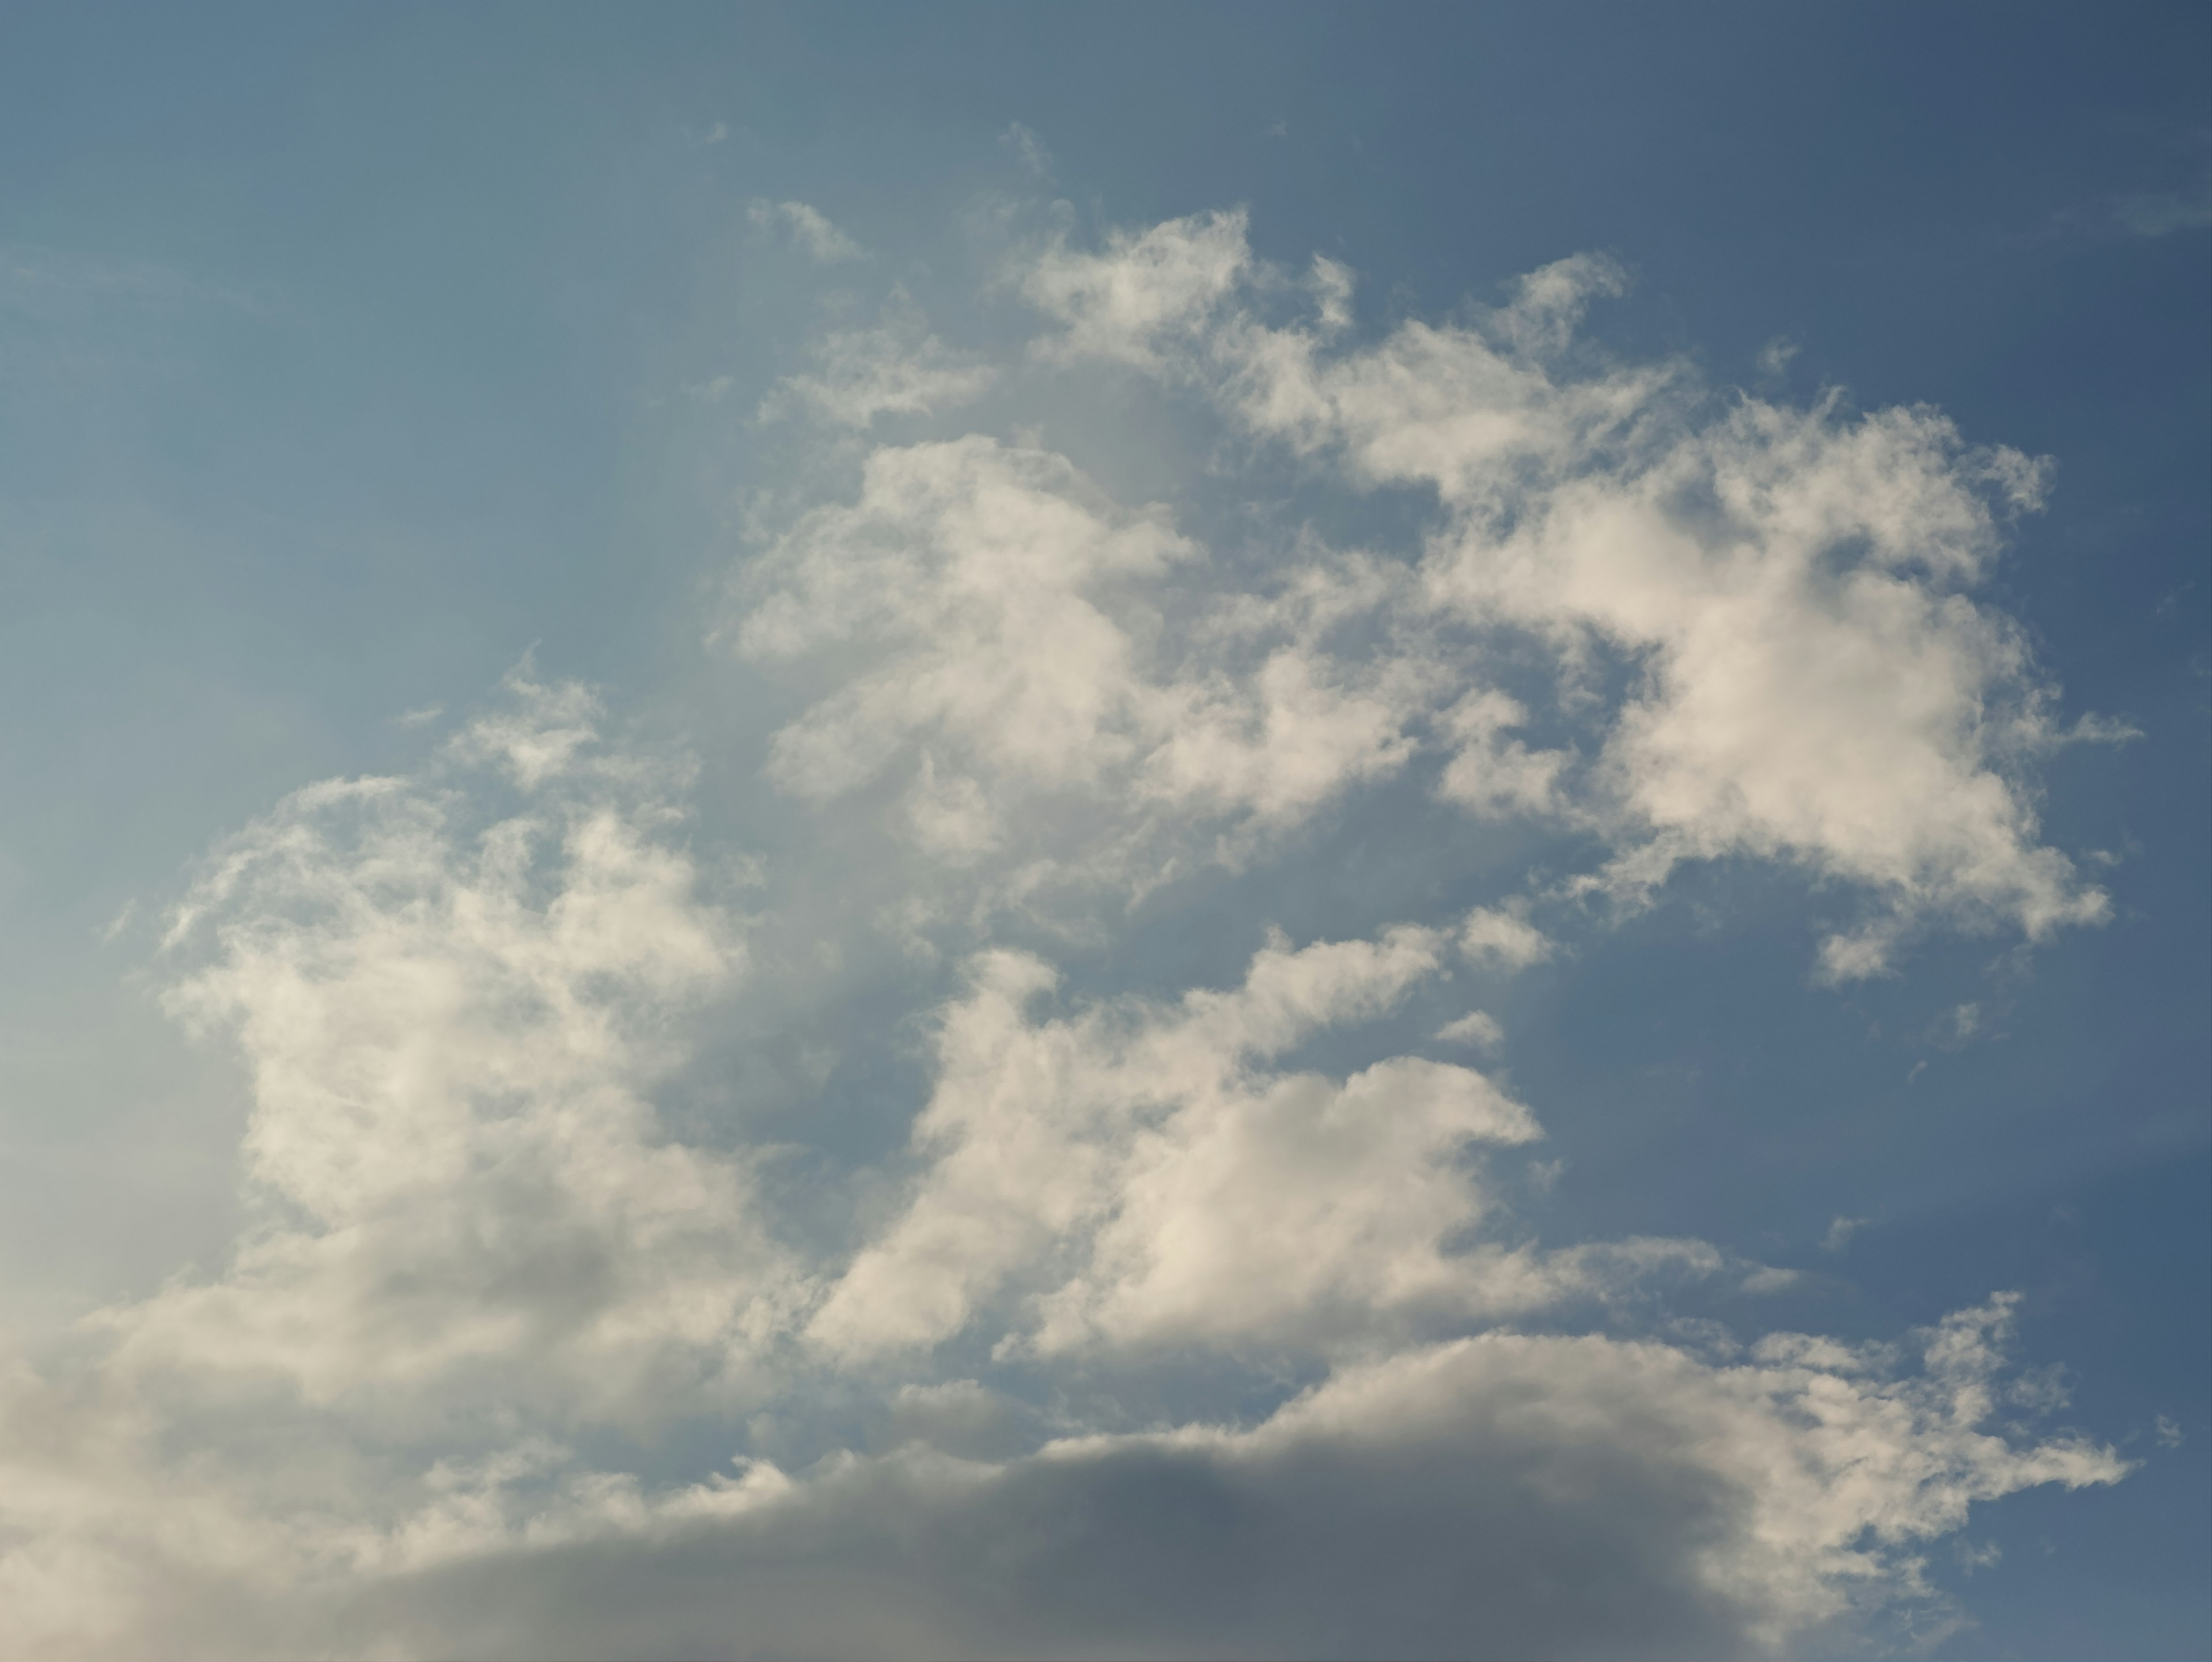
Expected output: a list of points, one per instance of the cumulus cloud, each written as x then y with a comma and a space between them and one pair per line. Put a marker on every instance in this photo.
975, 582
1139, 1176
1171, 1314
1783, 595
368, 1434
990, 625
1493, 936
449, 1023
1560, 1496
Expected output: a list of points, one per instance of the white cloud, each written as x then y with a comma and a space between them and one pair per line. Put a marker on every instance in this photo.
1147, 293
483, 1250
897, 368
1774, 357
1039, 1134
1785, 590
1178, 1319
1131, 1176
1693, 1506
994, 629
973, 586
807, 226
1490, 775
1476, 1029
1492, 936
1306, 1204
447, 1024
539, 735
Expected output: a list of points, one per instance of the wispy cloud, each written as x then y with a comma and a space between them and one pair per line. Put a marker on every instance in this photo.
1841, 1232
2161, 213
897, 369
1028, 151
808, 228
55, 284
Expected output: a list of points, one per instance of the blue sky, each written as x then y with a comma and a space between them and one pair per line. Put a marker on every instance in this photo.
1162, 829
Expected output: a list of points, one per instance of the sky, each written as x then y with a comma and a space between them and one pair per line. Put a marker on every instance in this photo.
1161, 832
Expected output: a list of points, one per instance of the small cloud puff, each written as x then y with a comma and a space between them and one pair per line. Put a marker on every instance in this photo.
1476, 1029
808, 228
897, 367
1028, 151
1840, 1233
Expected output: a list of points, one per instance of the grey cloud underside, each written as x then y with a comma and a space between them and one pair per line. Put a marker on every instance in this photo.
1442, 1547
428, 1406
1503, 1495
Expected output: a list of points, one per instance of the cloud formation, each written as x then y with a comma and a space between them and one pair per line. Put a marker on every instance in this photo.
989, 629
450, 1028
808, 227
897, 368
1781, 596
1182, 1317
1170, 1189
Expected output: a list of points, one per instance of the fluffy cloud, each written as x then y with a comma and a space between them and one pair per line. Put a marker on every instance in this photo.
1145, 295
1781, 596
449, 1026
987, 619
1174, 1319
1758, 621
1145, 1180
367, 1437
